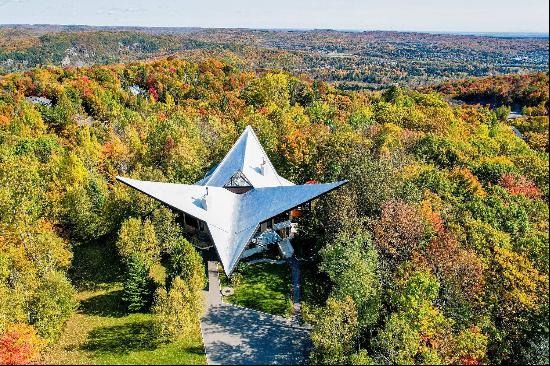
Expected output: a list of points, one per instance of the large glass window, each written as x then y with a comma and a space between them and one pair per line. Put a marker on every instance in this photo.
237, 180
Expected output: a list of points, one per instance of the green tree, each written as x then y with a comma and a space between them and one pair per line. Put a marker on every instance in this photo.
83, 209
138, 285
417, 332
185, 262
352, 265
273, 88
335, 332
398, 342
177, 312
137, 237
167, 230
51, 305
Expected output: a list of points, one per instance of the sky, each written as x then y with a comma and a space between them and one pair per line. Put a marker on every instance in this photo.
407, 15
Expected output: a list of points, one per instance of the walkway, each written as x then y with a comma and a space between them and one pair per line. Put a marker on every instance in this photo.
213, 295
238, 336
295, 273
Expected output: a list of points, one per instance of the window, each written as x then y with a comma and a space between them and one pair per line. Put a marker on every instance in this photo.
237, 180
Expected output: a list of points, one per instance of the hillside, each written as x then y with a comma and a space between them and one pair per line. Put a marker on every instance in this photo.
353, 60
435, 252
512, 90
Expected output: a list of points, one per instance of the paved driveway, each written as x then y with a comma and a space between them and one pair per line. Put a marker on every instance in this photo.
234, 335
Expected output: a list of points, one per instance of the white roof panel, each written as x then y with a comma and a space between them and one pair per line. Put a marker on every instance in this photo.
260, 204
182, 197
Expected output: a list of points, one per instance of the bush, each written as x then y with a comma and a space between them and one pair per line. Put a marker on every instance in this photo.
52, 305
177, 313
19, 344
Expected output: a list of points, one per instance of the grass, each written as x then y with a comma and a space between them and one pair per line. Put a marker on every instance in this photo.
102, 332
261, 286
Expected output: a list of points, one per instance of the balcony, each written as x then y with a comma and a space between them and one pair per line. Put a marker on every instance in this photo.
267, 237
282, 225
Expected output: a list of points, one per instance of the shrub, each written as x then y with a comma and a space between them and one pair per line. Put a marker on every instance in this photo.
52, 305
19, 344
177, 312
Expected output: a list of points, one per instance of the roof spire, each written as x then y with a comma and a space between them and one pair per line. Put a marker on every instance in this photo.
262, 166
204, 204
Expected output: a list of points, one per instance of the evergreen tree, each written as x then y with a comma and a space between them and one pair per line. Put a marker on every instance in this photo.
138, 285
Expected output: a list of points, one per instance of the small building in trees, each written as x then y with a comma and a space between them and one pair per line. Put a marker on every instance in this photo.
242, 205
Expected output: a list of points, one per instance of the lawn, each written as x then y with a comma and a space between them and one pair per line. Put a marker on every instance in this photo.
261, 286
101, 332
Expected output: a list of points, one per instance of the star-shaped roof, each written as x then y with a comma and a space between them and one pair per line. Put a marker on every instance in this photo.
233, 218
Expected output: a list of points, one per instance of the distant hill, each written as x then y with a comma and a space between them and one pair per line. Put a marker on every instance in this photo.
513, 90
351, 59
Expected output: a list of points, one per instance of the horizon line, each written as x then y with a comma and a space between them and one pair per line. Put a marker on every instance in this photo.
509, 33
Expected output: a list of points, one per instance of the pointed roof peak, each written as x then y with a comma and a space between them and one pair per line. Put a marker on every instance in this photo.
248, 156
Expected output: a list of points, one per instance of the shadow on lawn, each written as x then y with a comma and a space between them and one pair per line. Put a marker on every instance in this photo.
123, 339
95, 265
109, 305
256, 296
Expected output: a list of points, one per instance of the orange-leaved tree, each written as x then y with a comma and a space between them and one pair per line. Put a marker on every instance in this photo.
19, 344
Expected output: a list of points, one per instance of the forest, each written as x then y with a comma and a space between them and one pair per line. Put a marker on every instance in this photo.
350, 60
436, 252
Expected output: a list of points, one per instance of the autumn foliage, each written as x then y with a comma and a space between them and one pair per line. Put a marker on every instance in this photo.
19, 344
435, 252
399, 230
519, 185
